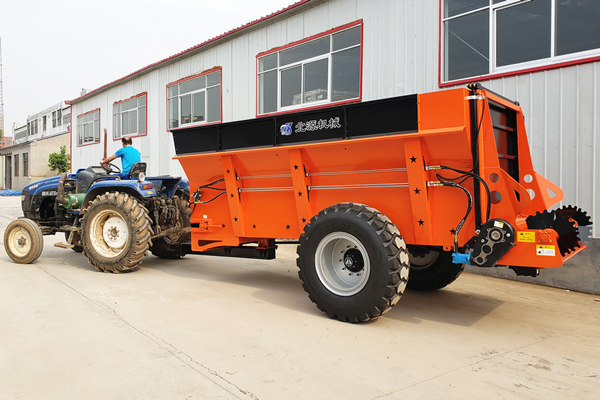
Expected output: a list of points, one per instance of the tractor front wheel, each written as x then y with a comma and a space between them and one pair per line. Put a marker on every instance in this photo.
23, 241
115, 233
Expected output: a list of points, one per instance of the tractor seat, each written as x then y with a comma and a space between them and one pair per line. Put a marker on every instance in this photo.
136, 169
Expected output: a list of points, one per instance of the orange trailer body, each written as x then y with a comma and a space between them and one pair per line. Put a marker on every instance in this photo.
272, 192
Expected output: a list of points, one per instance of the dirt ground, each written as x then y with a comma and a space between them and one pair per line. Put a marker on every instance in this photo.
208, 327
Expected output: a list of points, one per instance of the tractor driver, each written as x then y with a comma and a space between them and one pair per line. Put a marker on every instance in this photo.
129, 155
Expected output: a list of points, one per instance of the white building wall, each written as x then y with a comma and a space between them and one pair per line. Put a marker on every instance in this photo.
400, 56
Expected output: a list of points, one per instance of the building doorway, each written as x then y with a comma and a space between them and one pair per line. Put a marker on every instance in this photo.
8, 172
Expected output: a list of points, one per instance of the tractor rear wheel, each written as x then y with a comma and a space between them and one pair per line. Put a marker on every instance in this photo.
23, 241
431, 268
353, 262
115, 232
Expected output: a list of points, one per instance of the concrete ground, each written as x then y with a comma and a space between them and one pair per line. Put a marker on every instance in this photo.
205, 327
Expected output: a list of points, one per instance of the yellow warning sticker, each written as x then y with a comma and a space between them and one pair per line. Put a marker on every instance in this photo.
527, 237
149, 191
545, 250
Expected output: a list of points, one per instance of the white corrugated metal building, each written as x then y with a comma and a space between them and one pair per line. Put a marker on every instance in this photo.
543, 53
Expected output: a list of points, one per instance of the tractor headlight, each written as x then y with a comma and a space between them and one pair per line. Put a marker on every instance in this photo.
141, 177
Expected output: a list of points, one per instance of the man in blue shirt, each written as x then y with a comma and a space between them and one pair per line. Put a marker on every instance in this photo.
128, 154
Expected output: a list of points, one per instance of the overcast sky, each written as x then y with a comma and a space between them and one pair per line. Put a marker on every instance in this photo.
53, 49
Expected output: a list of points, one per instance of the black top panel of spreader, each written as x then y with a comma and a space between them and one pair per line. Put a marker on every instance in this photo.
380, 117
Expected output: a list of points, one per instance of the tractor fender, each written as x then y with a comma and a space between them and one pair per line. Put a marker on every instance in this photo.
131, 187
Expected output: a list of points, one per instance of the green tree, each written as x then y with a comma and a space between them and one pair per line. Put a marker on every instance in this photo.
59, 162
1, 133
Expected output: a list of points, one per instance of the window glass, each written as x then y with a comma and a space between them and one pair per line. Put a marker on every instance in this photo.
142, 120
577, 26
199, 107
347, 38
96, 131
267, 87
304, 51
456, 7
174, 113
88, 117
186, 109
467, 46
213, 79
125, 124
141, 102
133, 122
214, 104
173, 90
315, 80
117, 125
346, 74
128, 105
267, 63
291, 86
523, 33
192, 85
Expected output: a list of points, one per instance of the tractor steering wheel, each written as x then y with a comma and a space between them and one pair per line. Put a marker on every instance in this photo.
111, 168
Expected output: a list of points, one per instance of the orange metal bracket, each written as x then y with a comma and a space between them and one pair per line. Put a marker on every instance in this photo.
301, 184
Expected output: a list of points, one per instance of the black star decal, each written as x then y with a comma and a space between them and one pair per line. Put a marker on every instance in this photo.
413, 159
452, 231
254, 226
295, 167
223, 225
235, 219
417, 191
303, 220
287, 226
299, 194
421, 222
227, 171
232, 195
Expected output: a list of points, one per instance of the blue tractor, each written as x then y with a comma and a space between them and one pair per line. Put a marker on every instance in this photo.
114, 222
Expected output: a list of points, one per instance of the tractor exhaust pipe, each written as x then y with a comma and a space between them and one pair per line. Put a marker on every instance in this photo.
60, 193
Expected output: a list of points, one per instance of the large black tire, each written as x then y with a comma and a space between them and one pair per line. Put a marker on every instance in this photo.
431, 268
23, 241
160, 246
353, 262
115, 232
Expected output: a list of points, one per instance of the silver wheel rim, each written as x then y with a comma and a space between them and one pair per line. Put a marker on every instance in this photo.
333, 259
109, 233
20, 242
425, 262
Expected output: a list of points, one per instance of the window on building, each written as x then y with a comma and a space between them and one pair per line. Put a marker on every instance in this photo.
8, 142
482, 37
56, 118
195, 101
66, 118
32, 127
88, 128
325, 69
129, 117
25, 164
16, 167
44, 123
